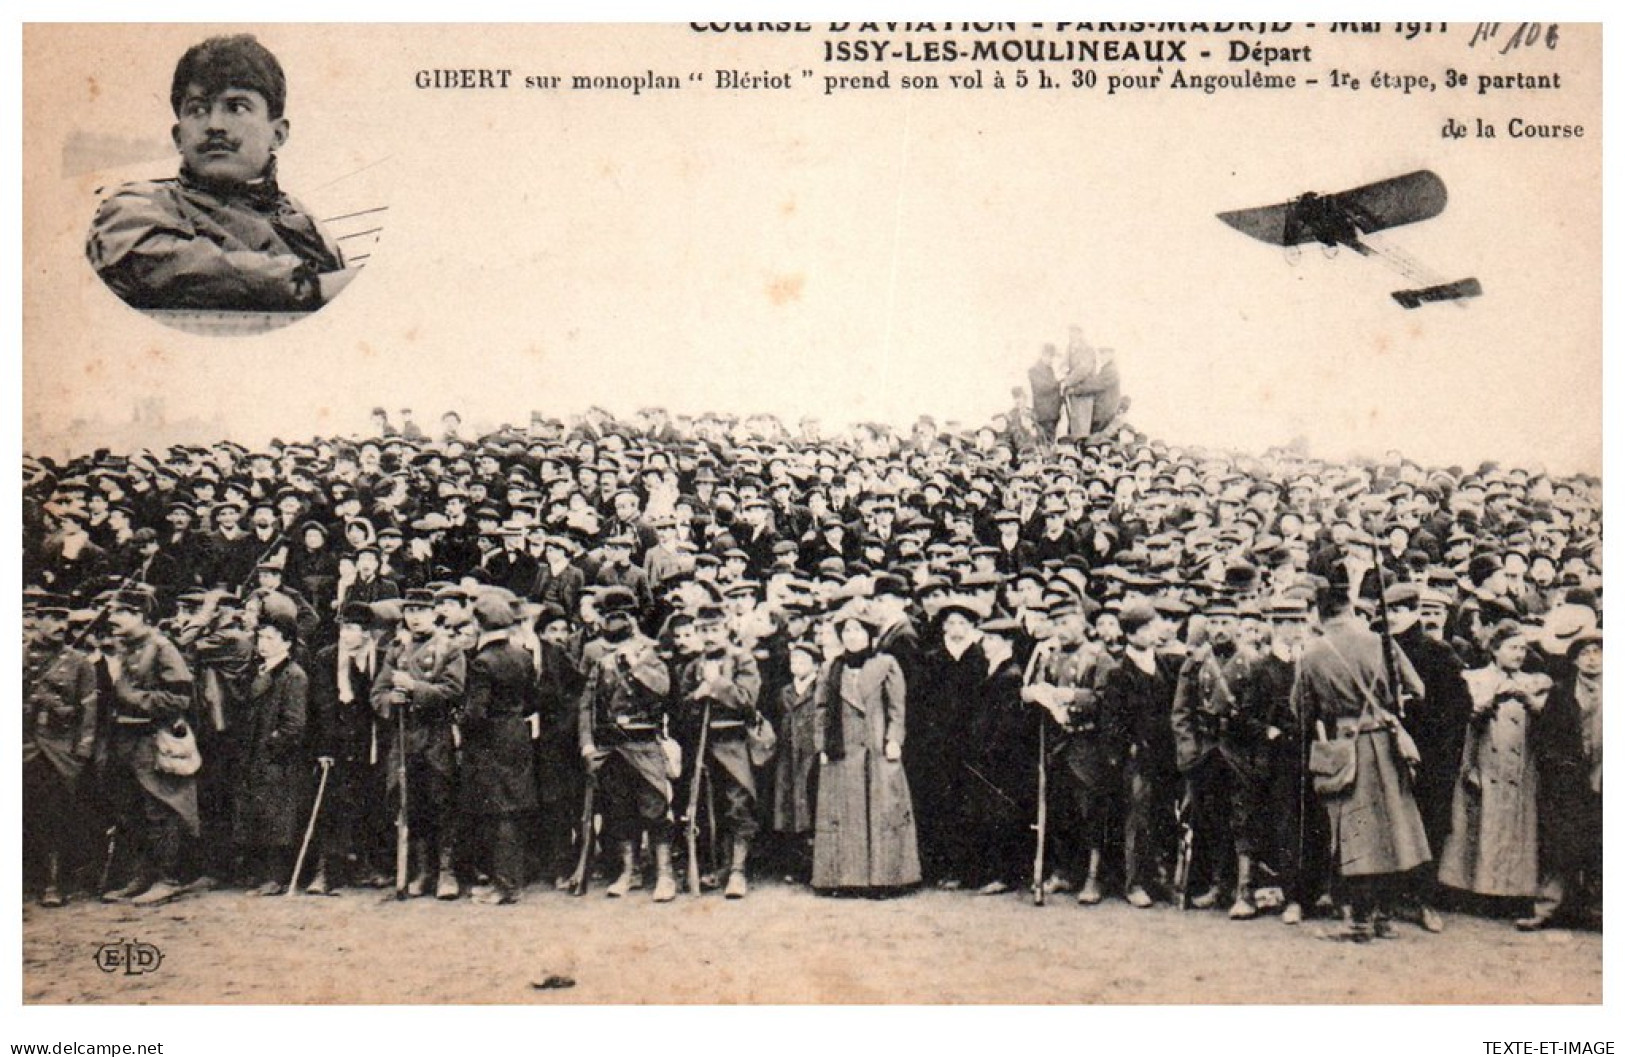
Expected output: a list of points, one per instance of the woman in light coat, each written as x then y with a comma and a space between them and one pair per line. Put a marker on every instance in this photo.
1492, 848
864, 831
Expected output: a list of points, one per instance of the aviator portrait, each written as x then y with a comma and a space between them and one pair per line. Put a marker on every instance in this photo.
221, 238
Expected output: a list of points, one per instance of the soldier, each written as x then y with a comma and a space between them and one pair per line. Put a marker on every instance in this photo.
154, 802
424, 672
1221, 751
1060, 681
59, 736
1341, 690
623, 713
723, 680
220, 652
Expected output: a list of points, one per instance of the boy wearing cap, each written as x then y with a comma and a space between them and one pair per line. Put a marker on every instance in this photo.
270, 760
222, 235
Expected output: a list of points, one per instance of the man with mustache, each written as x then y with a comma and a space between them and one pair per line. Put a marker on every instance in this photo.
222, 235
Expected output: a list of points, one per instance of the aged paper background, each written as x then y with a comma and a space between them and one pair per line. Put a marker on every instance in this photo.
867, 254
862, 254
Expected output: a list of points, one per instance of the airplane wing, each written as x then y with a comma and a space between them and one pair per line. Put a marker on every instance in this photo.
1377, 206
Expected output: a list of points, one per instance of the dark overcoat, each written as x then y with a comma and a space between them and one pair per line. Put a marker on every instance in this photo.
270, 759
498, 776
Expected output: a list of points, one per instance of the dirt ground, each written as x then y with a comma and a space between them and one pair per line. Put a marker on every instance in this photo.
781, 945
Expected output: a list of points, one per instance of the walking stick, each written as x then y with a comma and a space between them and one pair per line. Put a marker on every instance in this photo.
693, 830
1043, 810
578, 882
403, 832
326, 765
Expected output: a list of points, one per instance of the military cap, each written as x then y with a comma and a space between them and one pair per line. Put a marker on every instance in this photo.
418, 598
617, 600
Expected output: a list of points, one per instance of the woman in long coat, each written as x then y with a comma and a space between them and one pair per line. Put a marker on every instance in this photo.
271, 759
864, 835
1492, 849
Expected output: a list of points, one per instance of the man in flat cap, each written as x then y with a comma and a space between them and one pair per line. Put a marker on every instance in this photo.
222, 235
350, 839
1137, 701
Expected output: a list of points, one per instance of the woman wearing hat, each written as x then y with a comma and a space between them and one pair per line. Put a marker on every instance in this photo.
270, 757
1492, 846
864, 835
1566, 737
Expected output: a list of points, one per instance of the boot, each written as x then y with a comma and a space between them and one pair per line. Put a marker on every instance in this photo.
420, 871
131, 888
319, 885
1091, 894
161, 893
446, 886
51, 897
1244, 909
665, 880
737, 887
623, 884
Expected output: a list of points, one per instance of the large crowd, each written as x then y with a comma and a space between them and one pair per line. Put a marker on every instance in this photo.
603, 654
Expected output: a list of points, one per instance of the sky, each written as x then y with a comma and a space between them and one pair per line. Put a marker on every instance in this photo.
869, 255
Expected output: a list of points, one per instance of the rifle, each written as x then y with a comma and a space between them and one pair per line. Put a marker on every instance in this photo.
1043, 810
578, 881
403, 831
1042, 822
1390, 663
107, 863
1187, 846
693, 833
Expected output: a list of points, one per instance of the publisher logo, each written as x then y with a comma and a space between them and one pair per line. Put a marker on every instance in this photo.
133, 957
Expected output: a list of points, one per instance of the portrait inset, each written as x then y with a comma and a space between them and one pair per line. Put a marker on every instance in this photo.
221, 246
